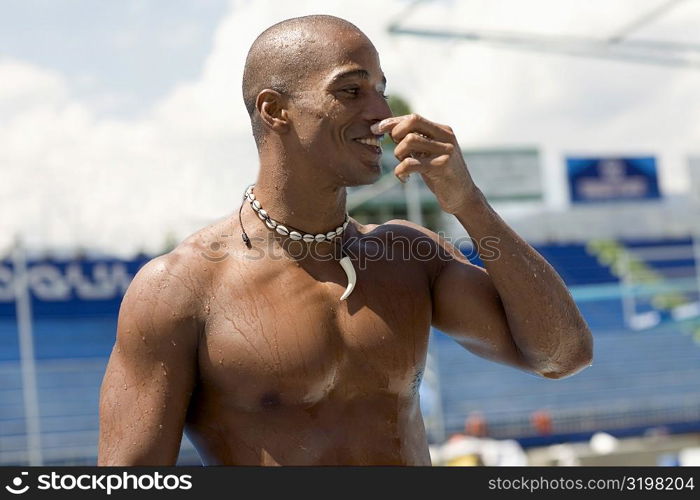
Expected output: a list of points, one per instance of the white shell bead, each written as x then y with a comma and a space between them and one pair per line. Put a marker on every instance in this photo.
296, 235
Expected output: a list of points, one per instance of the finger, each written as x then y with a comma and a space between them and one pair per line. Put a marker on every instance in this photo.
385, 125
400, 126
415, 143
409, 166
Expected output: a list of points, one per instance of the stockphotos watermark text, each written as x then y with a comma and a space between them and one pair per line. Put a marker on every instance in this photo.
101, 482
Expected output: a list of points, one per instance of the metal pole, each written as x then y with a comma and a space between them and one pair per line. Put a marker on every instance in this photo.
23, 308
413, 205
696, 256
432, 378
629, 306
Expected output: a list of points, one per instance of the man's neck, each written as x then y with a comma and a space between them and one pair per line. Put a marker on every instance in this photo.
300, 201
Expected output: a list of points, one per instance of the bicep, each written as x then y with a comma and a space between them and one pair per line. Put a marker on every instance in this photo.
149, 378
467, 307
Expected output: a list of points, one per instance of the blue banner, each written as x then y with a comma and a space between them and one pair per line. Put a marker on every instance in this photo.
612, 179
71, 287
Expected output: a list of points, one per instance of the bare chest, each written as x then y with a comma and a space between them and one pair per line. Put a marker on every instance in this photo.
281, 336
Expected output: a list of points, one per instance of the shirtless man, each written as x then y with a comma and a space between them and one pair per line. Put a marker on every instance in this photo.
249, 349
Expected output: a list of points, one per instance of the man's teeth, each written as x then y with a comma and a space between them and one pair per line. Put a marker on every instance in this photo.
370, 141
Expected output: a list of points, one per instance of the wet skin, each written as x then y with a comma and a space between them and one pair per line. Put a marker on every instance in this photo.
279, 370
257, 359
250, 351
313, 380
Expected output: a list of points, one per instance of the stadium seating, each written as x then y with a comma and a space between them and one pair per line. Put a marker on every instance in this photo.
639, 379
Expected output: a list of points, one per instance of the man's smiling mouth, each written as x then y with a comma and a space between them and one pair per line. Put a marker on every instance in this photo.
372, 143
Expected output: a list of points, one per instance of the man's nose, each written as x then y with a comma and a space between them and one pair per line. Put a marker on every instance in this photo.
378, 108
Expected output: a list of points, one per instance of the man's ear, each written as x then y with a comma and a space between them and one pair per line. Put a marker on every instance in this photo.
271, 106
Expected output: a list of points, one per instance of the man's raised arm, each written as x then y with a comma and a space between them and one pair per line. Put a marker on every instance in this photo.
152, 369
519, 312
524, 314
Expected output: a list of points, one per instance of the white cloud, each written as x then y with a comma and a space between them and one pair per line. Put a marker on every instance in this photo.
71, 176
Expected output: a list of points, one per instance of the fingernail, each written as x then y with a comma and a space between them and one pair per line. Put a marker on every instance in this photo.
403, 177
377, 127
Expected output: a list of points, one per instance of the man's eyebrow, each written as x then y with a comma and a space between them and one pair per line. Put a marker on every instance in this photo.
361, 73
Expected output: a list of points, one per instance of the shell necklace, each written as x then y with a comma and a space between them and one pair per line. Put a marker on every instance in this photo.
297, 235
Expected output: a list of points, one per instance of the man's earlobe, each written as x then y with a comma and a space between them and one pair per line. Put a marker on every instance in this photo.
270, 105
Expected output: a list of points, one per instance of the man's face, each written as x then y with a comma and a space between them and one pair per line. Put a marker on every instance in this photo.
335, 106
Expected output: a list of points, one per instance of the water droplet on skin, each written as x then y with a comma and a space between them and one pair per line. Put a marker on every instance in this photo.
206, 309
143, 338
125, 387
160, 426
221, 361
173, 343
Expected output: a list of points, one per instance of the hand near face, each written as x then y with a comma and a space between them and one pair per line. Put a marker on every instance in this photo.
432, 150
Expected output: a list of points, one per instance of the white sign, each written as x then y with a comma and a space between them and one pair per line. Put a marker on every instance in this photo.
506, 174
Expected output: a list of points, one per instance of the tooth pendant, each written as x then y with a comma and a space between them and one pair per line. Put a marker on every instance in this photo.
296, 235
346, 264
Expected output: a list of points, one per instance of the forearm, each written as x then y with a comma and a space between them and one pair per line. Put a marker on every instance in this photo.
543, 319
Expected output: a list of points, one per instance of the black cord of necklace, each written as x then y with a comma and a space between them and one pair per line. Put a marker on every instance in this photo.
246, 239
244, 235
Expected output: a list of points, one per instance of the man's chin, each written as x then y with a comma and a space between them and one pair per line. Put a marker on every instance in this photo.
371, 175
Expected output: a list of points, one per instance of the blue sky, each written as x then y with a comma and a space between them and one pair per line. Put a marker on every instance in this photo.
118, 55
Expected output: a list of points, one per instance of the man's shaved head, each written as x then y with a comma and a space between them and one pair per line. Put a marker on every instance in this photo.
283, 55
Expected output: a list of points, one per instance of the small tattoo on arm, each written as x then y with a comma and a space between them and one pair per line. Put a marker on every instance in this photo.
415, 384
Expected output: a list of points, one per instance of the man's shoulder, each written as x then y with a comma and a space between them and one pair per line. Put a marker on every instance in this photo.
180, 275
429, 245
403, 228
